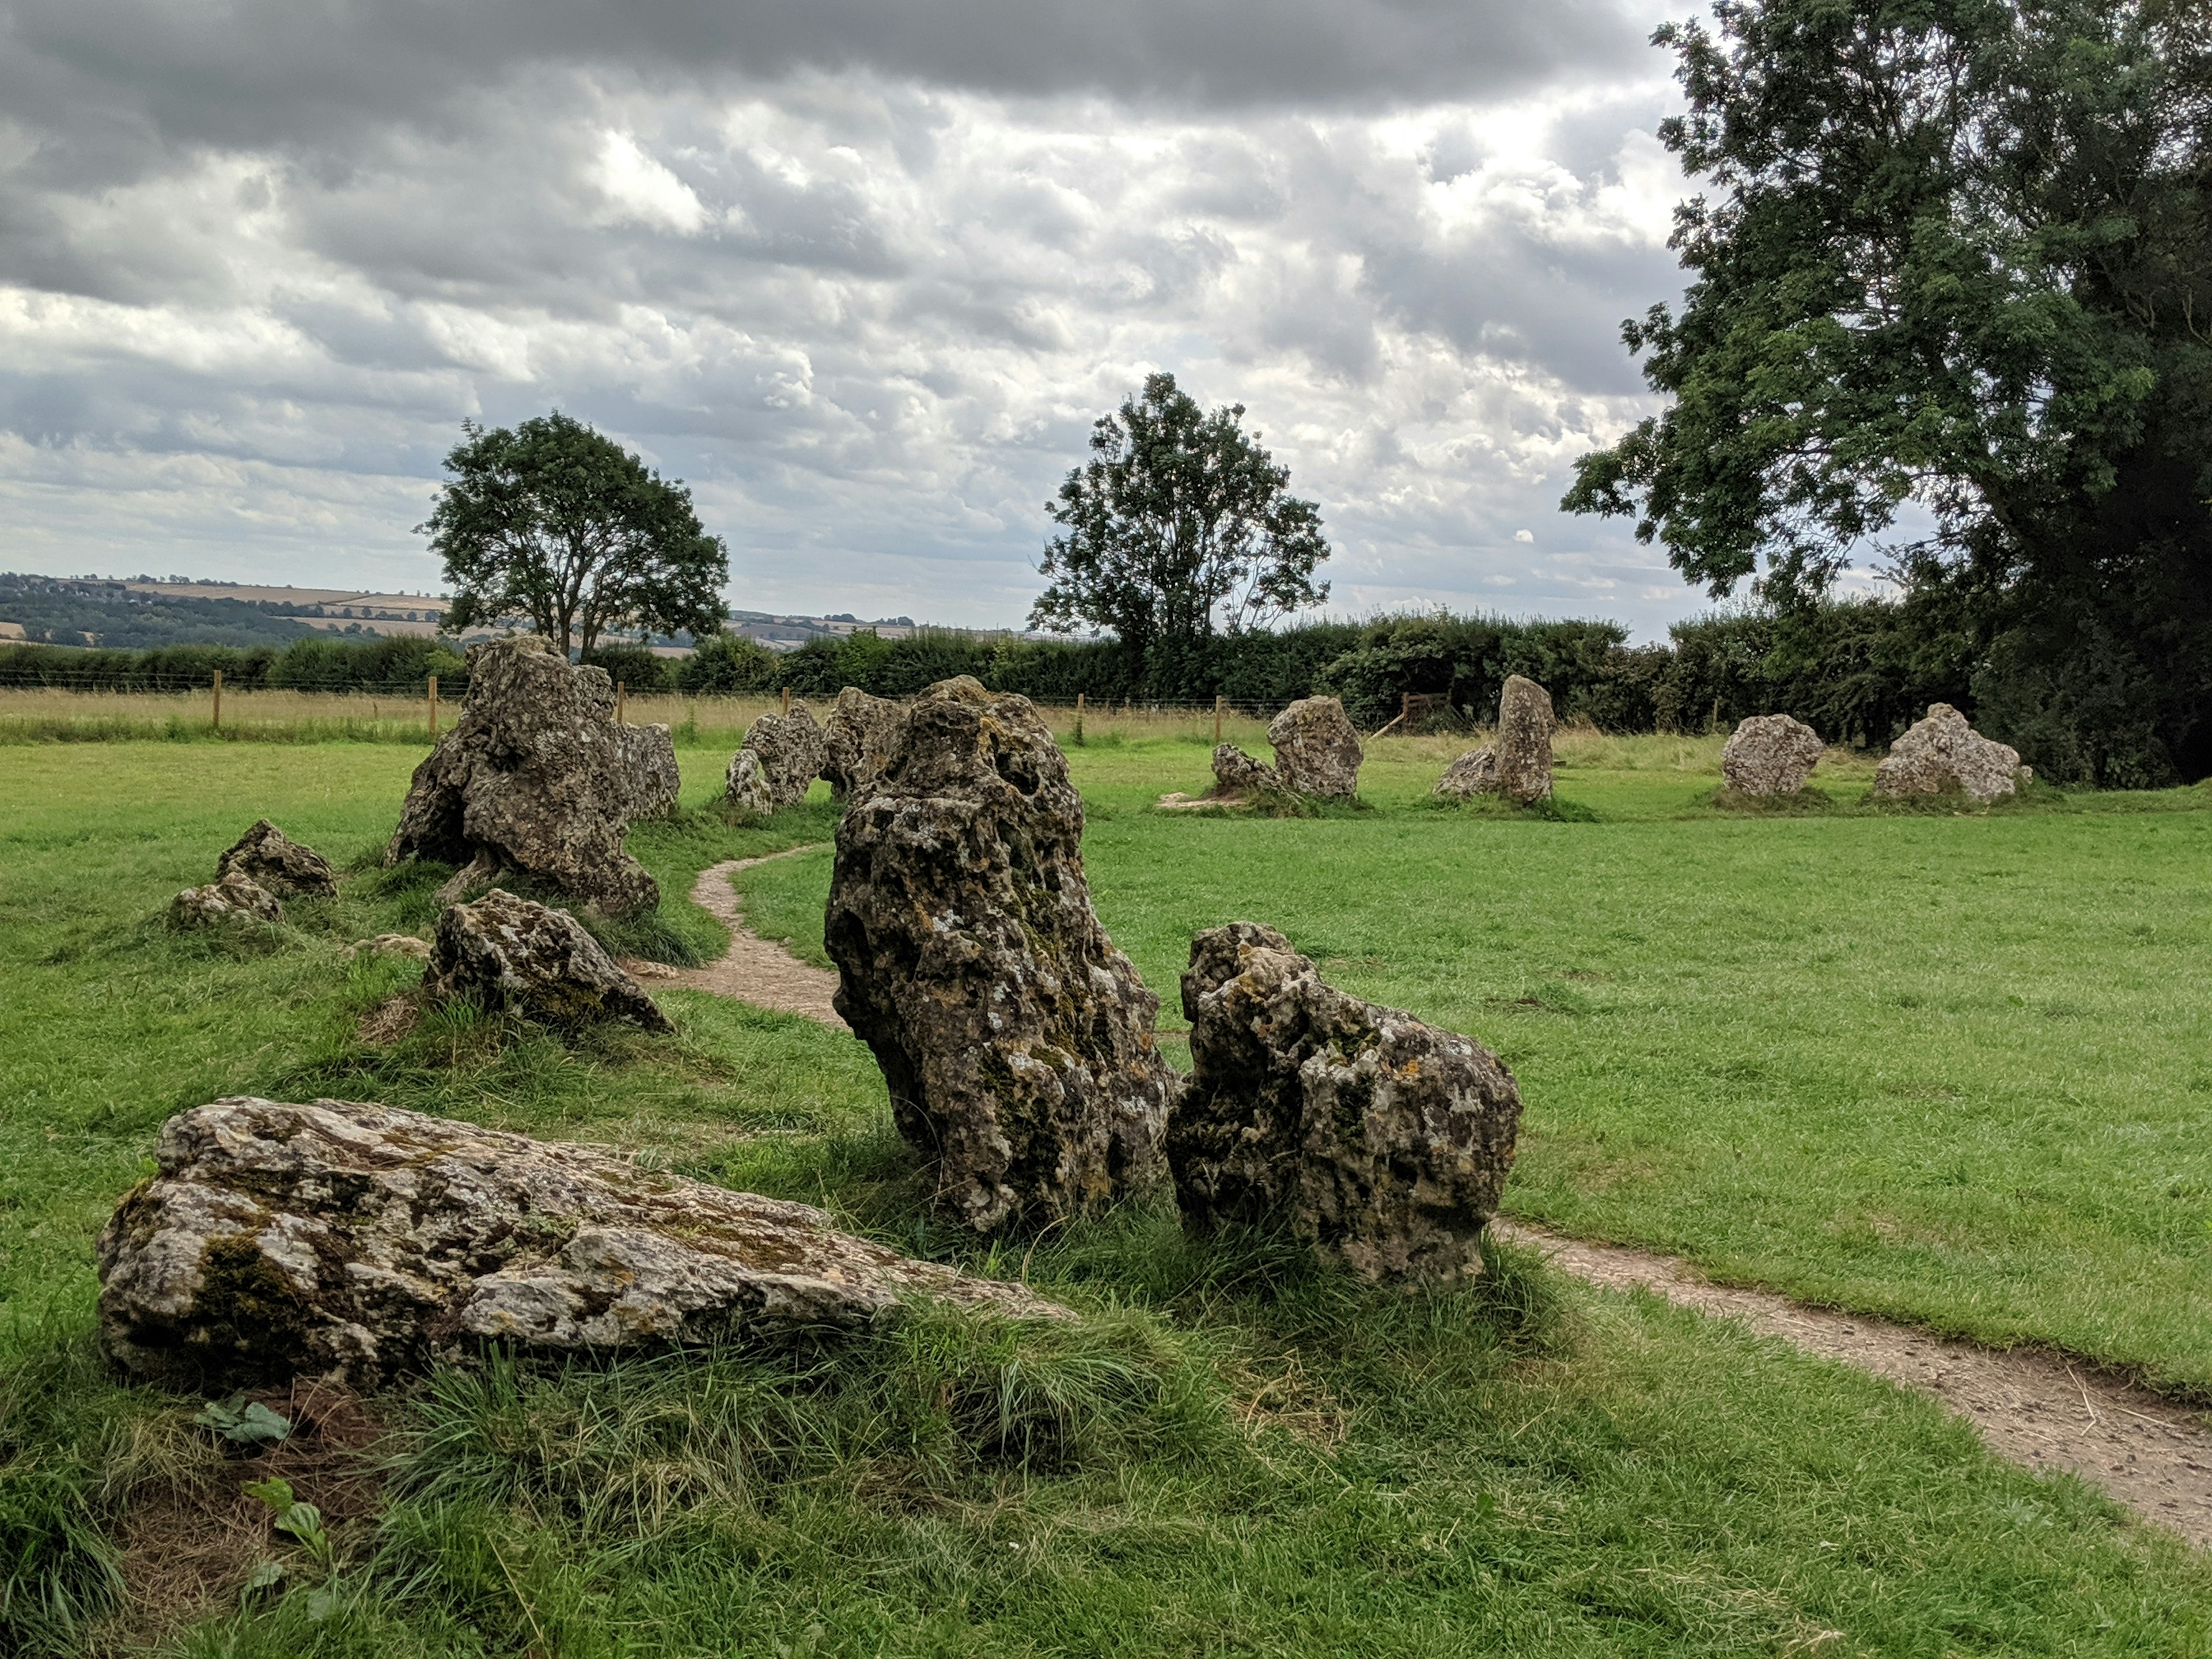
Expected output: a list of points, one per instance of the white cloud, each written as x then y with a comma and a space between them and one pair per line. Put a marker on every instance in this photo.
641, 189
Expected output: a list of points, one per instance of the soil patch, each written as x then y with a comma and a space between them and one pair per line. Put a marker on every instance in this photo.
753, 969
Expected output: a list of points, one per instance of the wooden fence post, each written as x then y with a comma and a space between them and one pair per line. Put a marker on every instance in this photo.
434, 707
786, 701
1406, 709
218, 700
1216, 720
618, 703
1078, 717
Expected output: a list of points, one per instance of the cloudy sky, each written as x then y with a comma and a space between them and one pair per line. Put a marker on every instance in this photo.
861, 271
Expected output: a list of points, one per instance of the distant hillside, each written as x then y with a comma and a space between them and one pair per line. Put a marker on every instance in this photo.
54, 610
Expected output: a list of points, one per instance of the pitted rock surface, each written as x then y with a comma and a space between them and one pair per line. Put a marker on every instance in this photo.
746, 785
362, 1243
1525, 725
1943, 752
1381, 1141
787, 751
1016, 1040
512, 954
266, 856
1475, 773
234, 898
1317, 750
1236, 774
857, 741
1771, 755
654, 784
535, 779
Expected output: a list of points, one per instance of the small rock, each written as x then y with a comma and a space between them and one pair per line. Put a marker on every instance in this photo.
390, 944
1236, 774
535, 778
1942, 752
747, 785
1525, 725
1016, 1041
1379, 1139
1317, 752
788, 750
234, 898
1771, 755
1475, 773
857, 741
362, 1243
266, 856
505, 952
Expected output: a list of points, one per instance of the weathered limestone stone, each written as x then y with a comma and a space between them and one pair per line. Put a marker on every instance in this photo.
1943, 752
1237, 774
1475, 773
535, 779
1317, 750
787, 751
1771, 755
271, 860
505, 952
747, 784
857, 741
654, 783
1381, 1140
234, 898
1016, 1041
1525, 725
360, 1243
390, 944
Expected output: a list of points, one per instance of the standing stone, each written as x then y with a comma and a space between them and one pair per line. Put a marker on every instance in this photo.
1380, 1141
648, 757
1236, 774
271, 859
505, 953
746, 785
236, 897
1525, 725
788, 751
857, 741
362, 1243
534, 780
1771, 755
1016, 1040
1475, 773
1317, 750
1942, 752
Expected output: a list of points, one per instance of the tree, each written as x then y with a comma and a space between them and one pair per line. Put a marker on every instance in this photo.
554, 522
1178, 526
1960, 253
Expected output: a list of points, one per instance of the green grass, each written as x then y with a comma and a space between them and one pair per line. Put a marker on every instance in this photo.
1233, 1453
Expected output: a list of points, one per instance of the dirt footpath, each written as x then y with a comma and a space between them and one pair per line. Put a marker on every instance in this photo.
2033, 1407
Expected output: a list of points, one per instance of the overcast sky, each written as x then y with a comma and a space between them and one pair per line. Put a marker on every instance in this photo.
861, 271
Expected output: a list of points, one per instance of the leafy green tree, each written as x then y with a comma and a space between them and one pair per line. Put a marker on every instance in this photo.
1180, 526
1956, 252
553, 522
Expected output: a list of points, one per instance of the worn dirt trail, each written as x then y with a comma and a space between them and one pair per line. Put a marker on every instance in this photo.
2034, 1407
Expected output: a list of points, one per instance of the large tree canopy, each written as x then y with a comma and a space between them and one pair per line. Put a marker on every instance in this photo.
1957, 252
556, 523
1181, 524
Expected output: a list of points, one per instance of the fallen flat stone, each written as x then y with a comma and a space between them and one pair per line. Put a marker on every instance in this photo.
1771, 755
857, 741
1317, 752
234, 898
1942, 752
535, 779
271, 860
510, 954
787, 751
1378, 1140
1016, 1040
362, 1243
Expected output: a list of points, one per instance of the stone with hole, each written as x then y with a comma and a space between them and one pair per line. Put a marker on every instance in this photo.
512, 955
266, 856
1016, 1040
535, 780
1769, 755
1377, 1140
362, 1243
1943, 753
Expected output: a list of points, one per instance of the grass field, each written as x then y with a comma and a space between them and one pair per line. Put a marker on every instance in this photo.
1945, 1067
